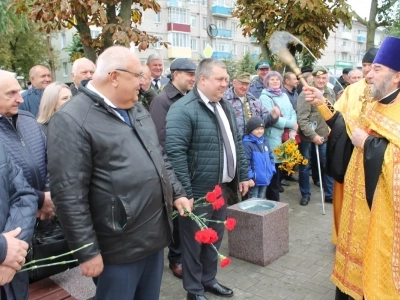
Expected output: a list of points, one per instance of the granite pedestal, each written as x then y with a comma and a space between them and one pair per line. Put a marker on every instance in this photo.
260, 237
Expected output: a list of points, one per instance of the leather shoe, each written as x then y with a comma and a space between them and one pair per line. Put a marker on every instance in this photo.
304, 200
317, 184
281, 190
176, 270
219, 290
292, 178
328, 200
284, 182
195, 297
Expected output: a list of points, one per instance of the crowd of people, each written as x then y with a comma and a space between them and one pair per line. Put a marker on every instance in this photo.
115, 153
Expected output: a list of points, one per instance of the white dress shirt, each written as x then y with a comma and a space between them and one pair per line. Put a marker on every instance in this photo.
225, 177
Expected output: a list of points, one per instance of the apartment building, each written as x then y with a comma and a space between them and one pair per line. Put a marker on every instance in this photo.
346, 47
188, 26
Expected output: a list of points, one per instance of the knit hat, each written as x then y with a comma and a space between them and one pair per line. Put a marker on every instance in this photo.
387, 53
370, 55
254, 123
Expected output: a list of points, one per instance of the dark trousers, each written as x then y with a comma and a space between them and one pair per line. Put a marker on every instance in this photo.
200, 261
132, 281
342, 296
273, 188
174, 253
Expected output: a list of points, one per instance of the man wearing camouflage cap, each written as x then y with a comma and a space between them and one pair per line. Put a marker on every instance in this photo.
256, 87
245, 105
182, 81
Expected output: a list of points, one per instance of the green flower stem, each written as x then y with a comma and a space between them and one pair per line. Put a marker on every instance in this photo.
47, 265
57, 256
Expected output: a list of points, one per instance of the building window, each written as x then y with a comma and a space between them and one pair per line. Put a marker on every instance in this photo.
179, 39
65, 69
223, 47
63, 40
204, 44
192, 1
193, 21
204, 22
157, 17
178, 15
257, 50
193, 44
234, 50
233, 28
158, 44
219, 2
94, 33
204, 3
245, 49
221, 24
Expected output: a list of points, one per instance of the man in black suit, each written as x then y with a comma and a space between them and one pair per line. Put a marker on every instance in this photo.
155, 64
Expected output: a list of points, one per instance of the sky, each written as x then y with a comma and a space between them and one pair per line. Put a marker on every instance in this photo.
361, 7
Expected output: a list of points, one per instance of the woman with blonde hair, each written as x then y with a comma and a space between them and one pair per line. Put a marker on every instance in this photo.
54, 95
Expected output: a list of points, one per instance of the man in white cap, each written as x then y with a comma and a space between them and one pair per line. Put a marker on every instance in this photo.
367, 252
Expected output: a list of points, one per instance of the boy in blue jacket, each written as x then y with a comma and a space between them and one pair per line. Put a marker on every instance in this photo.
260, 161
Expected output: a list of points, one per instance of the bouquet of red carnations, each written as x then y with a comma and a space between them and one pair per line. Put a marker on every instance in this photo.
207, 235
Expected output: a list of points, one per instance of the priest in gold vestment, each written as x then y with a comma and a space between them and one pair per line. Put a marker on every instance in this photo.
367, 259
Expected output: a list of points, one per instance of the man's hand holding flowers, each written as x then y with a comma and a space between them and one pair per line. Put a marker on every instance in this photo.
183, 205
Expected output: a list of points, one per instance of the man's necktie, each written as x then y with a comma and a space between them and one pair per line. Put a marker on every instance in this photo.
156, 84
124, 115
227, 145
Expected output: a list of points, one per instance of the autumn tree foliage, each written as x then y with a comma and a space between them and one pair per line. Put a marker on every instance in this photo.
309, 20
118, 20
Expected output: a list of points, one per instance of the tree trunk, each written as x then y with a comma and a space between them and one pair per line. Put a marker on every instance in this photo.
371, 25
52, 63
86, 39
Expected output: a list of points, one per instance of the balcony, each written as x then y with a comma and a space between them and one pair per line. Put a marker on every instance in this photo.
346, 49
346, 35
222, 33
178, 27
361, 39
182, 52
255, 56
221, 11
222, 55
253, 39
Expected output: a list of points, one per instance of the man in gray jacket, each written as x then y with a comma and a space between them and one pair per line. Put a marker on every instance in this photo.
314, 132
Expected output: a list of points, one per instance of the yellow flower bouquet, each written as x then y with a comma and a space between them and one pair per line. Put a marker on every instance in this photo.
290, 155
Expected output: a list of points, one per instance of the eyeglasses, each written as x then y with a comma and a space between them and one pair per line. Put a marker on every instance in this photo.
138, 75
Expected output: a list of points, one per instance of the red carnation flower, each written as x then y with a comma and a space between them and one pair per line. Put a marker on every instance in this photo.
225, 262
230, 224
206, 236
218, 190
211, 197
218, 203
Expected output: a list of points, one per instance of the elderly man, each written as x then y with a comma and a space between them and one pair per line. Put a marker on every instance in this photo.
182, 73
24, 141
17, 220
40, 78
155, 64
82, 69
257, 85
112, 184
290, 83
367, 247
314, 133
339, 150
205, 149
147, 91
245, 105
355, 76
